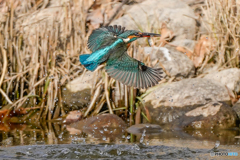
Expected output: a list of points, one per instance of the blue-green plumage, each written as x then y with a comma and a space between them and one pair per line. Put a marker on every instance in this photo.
109, 44
91, 61
102, 37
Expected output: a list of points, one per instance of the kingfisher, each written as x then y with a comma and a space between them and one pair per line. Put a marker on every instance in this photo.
109, 45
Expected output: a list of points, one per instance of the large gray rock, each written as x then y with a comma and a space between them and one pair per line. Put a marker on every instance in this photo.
77, 93
51, 15
229, 77
213, 115
175, 62
220, 116
236, 108
195, 91
167, 103
151, 13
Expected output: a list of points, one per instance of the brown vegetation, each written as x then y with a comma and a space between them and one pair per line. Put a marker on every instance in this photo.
40, 42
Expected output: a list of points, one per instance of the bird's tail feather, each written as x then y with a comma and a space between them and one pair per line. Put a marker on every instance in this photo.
83, 57
91, 67
88, 65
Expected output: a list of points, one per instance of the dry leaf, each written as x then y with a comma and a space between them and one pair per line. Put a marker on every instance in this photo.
12, 113
202, 48
3, 114
233, 97
18, 112
184, 50
11, 126
166, 34
4, 127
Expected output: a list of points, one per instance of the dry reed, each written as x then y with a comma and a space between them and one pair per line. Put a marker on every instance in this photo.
42, 55
222, 23
39, 57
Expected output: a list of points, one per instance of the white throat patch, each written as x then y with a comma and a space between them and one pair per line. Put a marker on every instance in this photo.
126, 40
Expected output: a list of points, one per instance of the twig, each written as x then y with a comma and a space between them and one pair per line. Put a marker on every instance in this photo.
126, 99
107, 94
3, 74
4, 94
4, 65
93, 101
17, 75
115, 14
34, 22
99, 106
131, 106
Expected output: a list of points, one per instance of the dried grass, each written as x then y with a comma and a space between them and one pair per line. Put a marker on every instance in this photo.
42, 40
222, 23
42, 46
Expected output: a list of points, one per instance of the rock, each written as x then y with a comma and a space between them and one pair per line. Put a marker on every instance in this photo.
81, 83
193, 2
236, 108
169, 102
77, 93
151, 13
73, 131
140, 129
50, 13
105, 125
210, 68
213, 115
76, 100
186, 43
229, 77
175, 62
73, 116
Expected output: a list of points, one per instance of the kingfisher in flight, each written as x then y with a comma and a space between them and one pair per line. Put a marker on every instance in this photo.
109, 44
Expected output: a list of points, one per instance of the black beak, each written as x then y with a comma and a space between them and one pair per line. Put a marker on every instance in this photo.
150, 35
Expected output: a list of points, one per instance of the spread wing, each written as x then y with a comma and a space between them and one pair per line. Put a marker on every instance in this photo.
132, 72
104, 36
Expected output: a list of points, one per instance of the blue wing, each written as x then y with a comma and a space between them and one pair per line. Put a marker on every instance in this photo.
104, 36
132, 72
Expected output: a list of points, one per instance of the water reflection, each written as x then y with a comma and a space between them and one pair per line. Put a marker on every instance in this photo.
57, 133
42, 134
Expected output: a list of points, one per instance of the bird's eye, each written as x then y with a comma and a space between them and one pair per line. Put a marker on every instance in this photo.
136, 34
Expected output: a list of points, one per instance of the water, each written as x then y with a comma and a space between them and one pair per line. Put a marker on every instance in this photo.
53, 141
74, 151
